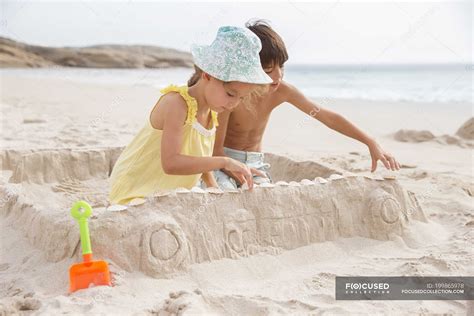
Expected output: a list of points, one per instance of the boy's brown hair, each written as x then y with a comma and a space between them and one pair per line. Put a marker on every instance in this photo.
273, 48
195, 76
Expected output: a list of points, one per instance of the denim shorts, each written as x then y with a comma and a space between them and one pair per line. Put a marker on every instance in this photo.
252, 160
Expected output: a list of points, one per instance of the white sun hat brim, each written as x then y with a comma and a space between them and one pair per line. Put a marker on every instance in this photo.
233, 56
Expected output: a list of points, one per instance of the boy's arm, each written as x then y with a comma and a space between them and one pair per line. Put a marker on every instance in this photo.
209, 180
223, 119
340, 124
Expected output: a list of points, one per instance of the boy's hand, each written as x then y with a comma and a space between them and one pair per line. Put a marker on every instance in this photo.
377, 153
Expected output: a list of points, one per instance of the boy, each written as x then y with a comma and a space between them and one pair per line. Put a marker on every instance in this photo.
240, 138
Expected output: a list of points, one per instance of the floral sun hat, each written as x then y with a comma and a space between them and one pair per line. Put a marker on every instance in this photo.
233, 56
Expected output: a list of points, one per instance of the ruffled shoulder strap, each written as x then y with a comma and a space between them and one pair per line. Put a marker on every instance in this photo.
190, 101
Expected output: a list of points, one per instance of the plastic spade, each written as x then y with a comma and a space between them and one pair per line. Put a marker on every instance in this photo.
82, 275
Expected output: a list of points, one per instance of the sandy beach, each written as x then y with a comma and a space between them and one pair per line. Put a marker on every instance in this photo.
61, 136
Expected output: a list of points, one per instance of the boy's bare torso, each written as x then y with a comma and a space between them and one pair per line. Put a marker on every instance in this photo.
247, 123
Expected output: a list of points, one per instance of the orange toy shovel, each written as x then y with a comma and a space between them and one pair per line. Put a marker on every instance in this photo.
82, 275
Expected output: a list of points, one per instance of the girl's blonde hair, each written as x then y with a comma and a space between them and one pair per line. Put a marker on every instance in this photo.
258, 91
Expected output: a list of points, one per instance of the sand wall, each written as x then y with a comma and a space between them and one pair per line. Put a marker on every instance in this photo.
167, 232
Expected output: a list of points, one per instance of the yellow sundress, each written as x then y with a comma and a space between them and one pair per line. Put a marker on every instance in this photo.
138, 172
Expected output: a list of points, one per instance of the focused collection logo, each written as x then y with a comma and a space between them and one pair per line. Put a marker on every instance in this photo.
367, 287
404, 288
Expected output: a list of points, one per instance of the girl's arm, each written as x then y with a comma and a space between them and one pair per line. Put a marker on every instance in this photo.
174, 110
340, 124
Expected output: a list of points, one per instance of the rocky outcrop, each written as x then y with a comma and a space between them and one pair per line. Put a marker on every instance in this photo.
16, 54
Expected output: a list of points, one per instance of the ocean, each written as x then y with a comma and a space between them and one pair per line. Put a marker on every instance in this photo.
421, 83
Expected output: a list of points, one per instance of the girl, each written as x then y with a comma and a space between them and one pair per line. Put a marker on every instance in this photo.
174, 148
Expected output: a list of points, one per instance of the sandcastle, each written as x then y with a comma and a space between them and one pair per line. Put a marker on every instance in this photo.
169, 231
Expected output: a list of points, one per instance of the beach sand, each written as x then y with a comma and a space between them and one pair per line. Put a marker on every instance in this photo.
60, 138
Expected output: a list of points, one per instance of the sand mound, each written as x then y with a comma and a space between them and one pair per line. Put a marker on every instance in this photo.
172, 230
413, 136
466, 130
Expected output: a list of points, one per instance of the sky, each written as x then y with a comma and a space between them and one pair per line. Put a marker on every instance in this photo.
323, 32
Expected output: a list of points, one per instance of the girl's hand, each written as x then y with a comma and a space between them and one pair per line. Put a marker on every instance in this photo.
240, 171
233, 175
377, 153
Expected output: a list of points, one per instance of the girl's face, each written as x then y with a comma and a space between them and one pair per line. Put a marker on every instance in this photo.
225, 96
276, 73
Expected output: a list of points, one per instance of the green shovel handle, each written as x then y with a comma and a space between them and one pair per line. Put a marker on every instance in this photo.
81, 217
